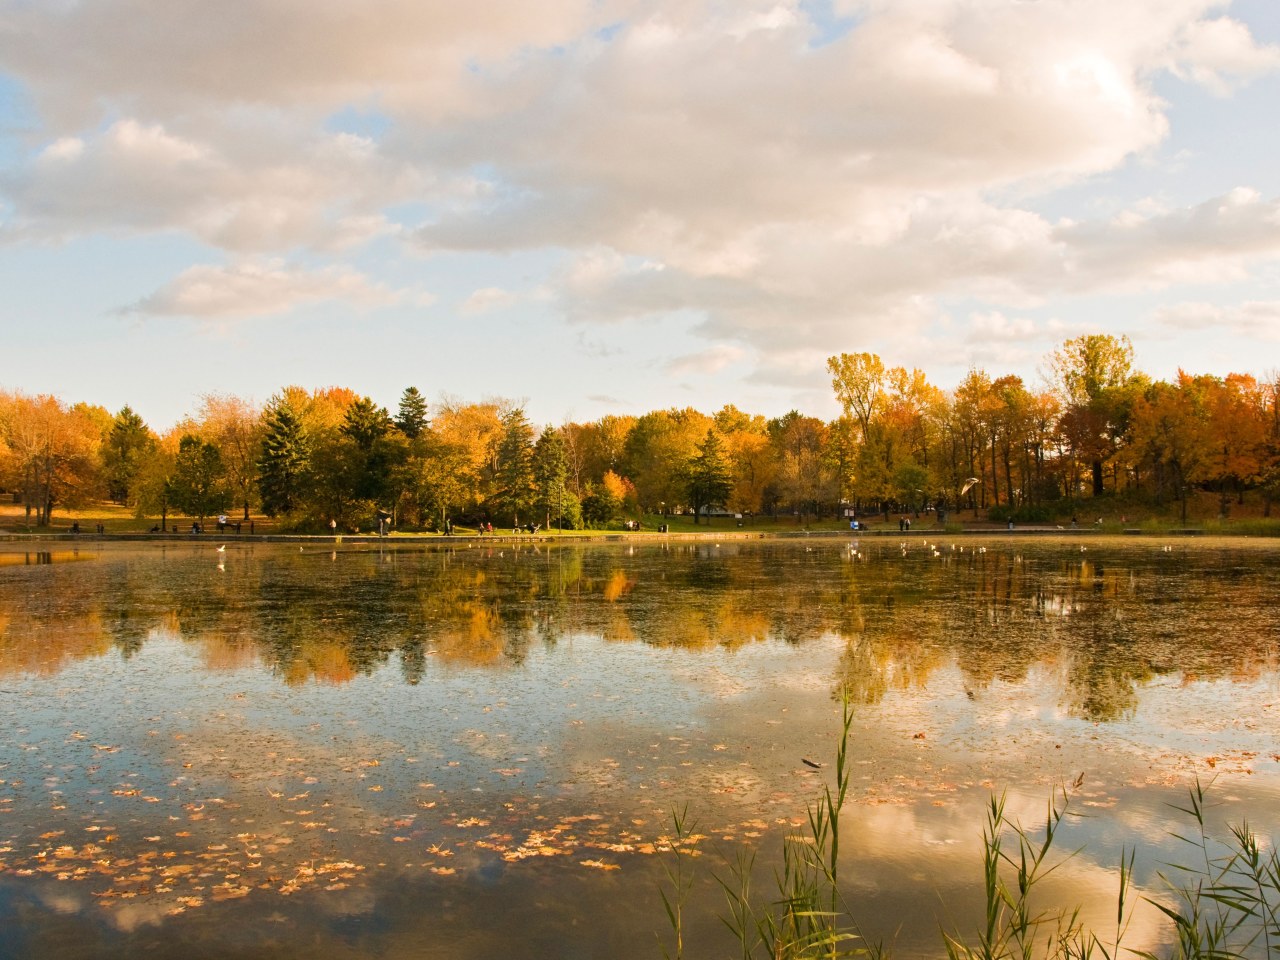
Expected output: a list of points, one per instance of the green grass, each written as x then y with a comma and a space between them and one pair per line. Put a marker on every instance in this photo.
119, 519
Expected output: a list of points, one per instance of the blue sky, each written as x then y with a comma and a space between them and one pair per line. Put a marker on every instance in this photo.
607, 206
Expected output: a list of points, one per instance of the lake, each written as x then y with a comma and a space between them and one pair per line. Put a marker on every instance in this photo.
474, 750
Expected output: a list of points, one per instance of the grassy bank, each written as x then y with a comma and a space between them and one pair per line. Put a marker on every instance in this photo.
1098, 516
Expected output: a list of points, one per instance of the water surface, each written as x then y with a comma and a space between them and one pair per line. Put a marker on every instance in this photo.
475, 751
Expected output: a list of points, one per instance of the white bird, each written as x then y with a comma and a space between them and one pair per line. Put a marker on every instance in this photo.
223, 548
968, 484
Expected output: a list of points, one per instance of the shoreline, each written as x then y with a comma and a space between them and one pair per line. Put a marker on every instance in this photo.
1040, 530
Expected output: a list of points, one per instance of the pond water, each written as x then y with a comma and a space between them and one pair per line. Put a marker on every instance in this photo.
475, 750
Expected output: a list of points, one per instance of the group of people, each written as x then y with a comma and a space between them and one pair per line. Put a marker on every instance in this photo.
485, 527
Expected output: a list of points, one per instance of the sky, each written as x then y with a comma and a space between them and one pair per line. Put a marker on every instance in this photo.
613, 206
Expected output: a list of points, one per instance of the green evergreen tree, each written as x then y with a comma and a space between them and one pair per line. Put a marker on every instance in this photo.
411, 418
284, 462
708, 479
550, 469
368, 468
127, 446
513, 472
366, 423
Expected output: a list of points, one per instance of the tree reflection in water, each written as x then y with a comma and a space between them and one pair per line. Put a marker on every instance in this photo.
512, 716
1107, 624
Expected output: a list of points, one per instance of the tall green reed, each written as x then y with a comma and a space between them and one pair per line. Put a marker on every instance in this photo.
1221, 902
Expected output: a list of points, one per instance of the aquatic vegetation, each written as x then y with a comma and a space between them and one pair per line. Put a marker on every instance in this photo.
1221, 903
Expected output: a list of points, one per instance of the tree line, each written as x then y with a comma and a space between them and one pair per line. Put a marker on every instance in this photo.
1097, 428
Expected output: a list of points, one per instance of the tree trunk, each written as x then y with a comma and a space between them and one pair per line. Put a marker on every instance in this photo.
1008, 477
1097, 478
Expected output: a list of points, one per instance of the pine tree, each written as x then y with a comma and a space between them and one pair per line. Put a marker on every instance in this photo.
127, 446
550, 468
366, 423
514, 469
707, 478
411, 418
373, 452
284, 461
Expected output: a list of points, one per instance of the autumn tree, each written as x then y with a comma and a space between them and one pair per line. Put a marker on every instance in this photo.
967, 431
199, 483
51, 451
1237, 411
804, 478
234, 425
911, 405
752, 465
1095, 378
1171, 430
606, 499
593, 449
1269, 479
153, 484
466, 440
858, 381
657, 449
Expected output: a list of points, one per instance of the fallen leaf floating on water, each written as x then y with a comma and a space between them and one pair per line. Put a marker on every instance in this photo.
599, 865
811, 763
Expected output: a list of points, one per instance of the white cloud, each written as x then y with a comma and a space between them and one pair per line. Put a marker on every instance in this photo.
985, 327
1251, 320
62, 150
696, 157
211, 292
1219, 53
488, 299
709, 361
1213, 242
241, 194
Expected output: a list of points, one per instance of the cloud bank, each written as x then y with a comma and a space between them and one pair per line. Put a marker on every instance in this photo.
798, 185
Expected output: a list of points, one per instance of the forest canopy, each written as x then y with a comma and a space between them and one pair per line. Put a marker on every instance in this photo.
1100, 428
